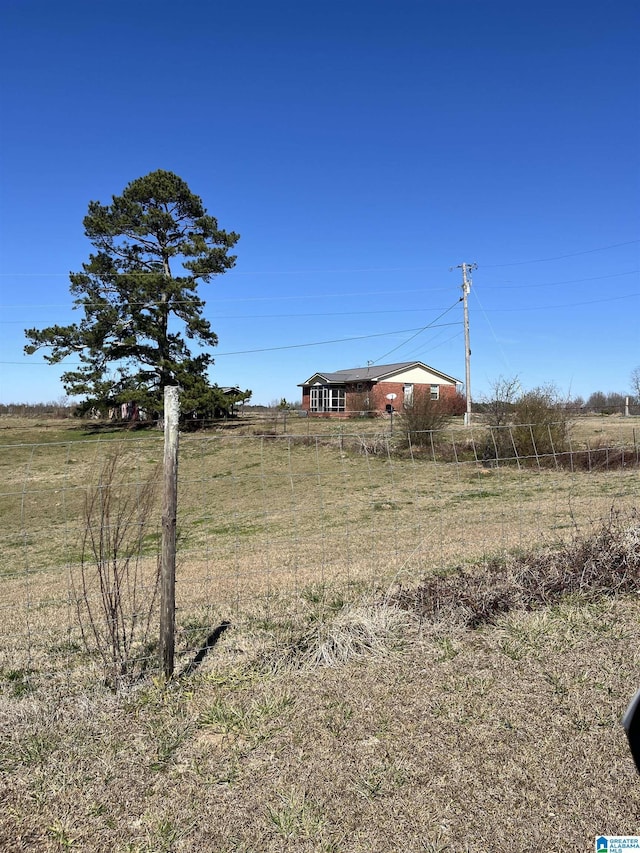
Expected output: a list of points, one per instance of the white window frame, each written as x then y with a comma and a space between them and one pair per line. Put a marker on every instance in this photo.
325, 398
435, 392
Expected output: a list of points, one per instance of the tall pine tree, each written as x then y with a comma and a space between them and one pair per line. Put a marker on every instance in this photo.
154, 245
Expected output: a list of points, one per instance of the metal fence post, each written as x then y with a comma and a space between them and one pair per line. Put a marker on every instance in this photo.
169, 518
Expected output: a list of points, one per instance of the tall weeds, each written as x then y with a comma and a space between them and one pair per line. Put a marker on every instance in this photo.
116, 586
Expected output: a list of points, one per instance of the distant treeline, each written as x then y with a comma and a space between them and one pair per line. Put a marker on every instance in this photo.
599, 403
60, 409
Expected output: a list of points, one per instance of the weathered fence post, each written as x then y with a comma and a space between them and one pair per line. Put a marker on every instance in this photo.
169, 518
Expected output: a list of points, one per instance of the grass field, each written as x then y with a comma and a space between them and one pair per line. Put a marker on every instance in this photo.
425, 734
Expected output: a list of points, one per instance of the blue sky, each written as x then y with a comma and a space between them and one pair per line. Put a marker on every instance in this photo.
362, 148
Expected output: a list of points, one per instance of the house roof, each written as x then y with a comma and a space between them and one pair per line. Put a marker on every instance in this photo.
372, 373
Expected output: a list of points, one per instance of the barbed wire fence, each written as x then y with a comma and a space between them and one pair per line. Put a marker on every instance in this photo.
270, 528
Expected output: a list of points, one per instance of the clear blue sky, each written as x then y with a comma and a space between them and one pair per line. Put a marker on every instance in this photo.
361, 148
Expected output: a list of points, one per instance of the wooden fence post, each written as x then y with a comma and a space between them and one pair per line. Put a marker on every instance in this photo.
169, 518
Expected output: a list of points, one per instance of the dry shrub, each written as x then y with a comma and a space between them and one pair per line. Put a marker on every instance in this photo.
605, 563
455, 405
547, 446
535, 427
373, 444
114, 589
422, 418
602, 457
354, 633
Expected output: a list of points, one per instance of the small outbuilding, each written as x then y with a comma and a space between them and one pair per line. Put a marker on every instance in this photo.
344, 393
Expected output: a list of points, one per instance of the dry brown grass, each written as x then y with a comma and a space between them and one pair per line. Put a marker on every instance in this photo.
262, 521
604, 563
608, 429
505, 738
421, 735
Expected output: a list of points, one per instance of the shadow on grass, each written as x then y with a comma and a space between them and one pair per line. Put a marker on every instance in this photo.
110, 428
205, 648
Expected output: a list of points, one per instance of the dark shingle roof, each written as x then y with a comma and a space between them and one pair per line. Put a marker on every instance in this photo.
373, 372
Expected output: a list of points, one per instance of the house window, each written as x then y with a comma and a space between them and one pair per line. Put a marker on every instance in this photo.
325, 399
435, 392
408, 394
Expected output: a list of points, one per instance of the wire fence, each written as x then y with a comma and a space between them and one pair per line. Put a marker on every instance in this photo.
269, 528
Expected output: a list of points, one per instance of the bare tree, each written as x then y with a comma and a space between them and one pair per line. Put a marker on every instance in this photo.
635, 383
499, 403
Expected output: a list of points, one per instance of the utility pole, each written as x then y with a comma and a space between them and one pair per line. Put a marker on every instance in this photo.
467, 269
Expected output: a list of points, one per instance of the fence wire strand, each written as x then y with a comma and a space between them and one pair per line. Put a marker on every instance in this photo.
273, 526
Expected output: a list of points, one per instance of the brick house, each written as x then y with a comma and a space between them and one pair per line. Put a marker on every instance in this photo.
366, 389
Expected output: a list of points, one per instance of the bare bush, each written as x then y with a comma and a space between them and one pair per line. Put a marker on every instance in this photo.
360, 404
602, 456
604, 563
456, 404
533, 426
116, 587
421, 418
541, 425
373, 444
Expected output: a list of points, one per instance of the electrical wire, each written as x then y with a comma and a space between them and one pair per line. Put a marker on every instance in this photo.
273, 349
419, 332
491, 329
523, 286
565, 305
341, 295
285, 316
351, 269
561, 257
422, 349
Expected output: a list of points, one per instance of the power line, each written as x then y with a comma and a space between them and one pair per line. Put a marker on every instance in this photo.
209, 302
272, 349
284, 316
428, 326
233, 271
491, 329
415, 332
566, 305
340, 295
566, 281
337, 270
561, 257
397, 332
422, 348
